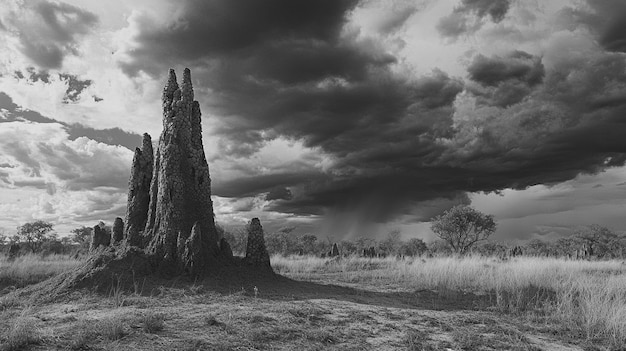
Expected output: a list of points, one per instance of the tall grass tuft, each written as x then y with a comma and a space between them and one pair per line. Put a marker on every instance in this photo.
32, 268
21, 334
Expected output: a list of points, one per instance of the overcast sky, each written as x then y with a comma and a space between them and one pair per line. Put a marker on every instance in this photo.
340, 117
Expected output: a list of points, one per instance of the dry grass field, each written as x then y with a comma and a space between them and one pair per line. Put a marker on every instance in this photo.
353, 303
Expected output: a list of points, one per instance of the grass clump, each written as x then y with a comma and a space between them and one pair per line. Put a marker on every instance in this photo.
82, 334
153, 322
112, 328
33, 268
417, 340
22, 334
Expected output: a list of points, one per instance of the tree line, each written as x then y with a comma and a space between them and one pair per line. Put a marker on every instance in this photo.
461, 230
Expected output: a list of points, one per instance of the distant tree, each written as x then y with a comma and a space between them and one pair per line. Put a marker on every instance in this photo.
308, 240
34, 234
567, 246
236, 239
439, 247
602, 241
281, 243
82, 236
462, 226
413, 247
287, 230
535, 247
391, 244
53, 245
364, 243
348, 247
490, 248
308, 244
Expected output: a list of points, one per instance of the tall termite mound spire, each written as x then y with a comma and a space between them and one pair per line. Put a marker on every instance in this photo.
139, 191
180, 192
256, 252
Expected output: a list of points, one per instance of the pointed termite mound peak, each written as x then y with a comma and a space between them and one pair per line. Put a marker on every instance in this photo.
256, 252
118, 231
334, 251
193, 251
139, 191
180, 192
100, 236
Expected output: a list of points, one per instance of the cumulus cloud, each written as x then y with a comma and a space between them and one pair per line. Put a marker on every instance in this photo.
48, 176
48, 31
469, 16
605, 19
505, 81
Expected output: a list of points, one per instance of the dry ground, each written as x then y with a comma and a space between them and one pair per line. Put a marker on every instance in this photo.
328, 312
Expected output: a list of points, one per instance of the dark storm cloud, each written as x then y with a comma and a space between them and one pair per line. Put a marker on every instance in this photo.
518, 65
234, 27
111, 136
497, 9
33, 75
605, 18
395, 140
279, 193
50, 30
506, 80
75, 86
251, 186
461, 20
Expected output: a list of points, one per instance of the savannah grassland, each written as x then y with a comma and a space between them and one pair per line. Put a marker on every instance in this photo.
440, 303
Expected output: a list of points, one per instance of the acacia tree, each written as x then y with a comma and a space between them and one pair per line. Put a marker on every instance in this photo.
82, 236
462, 226
34, 234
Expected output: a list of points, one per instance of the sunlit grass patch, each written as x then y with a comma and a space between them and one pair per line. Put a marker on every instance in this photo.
32, 268
589, 295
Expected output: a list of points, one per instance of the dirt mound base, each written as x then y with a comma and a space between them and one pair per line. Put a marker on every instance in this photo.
131, 269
